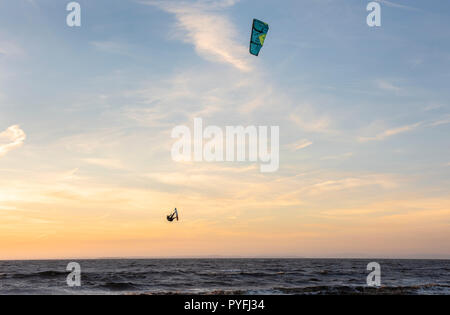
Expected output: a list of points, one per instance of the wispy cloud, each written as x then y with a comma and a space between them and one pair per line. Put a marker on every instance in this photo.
106, 163
71, 174
111, 47
10, 139
396, 5
380, 180
338, 157
33, 2
309, 120
387, 86
391, 132
199, 23
432, 106
304, 143
10, 49
445, 120
407, 128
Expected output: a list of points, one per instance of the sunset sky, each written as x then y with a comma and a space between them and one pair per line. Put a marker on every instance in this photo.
86, 115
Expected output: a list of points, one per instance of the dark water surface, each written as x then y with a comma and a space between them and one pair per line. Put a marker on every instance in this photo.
226, 276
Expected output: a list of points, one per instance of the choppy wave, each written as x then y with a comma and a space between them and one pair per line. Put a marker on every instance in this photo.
365, 290
227, 276
41, 274
318, 290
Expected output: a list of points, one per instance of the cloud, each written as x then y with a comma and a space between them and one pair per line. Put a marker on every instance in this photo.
10, 49
106, 163
155, 116
443, 121
403, 129
111, 47
432, 106
211, 33
396, 5
10, 139
304, 143
338, 157
71, 174
391, 132
379, 180
33, 2
387, 86
158, 103
309, 120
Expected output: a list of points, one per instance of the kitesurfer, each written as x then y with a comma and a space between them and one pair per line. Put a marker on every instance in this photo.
173, 216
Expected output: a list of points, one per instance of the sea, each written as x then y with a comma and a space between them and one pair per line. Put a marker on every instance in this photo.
225, 276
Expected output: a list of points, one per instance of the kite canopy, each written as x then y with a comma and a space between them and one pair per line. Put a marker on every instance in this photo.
259, 33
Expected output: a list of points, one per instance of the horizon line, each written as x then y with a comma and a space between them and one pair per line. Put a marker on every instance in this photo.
229, 257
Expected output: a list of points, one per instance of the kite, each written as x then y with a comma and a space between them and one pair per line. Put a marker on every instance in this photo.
259, 33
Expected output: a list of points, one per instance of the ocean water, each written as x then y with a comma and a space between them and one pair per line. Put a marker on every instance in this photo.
226, 276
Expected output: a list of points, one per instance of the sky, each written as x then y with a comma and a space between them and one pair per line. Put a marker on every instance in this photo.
86, 115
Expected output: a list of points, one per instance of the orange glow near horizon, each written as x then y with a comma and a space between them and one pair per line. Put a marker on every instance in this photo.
73, 217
